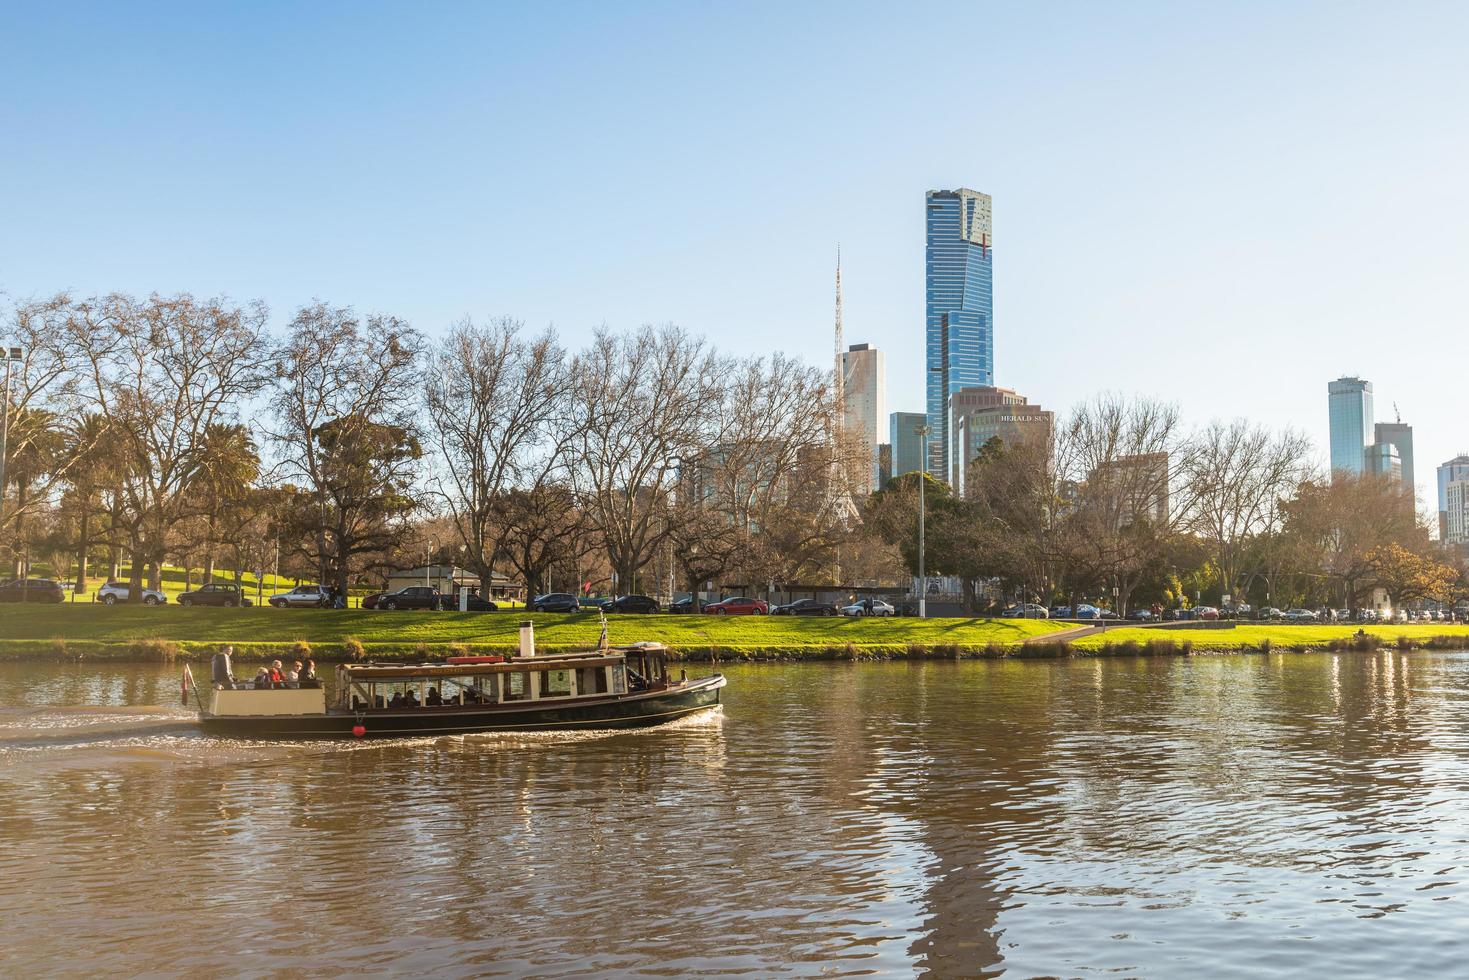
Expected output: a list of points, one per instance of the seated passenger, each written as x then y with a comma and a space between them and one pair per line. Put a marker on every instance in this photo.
411, 700
277, 677
396, 701
262, 679
434, 700
308, 674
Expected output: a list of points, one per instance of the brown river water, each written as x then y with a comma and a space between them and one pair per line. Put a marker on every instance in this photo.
1289, 815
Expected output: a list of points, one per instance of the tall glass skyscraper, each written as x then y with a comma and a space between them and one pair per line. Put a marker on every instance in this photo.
1349, 402
959, 332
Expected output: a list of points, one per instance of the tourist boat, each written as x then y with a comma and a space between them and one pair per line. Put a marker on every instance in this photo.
609, 687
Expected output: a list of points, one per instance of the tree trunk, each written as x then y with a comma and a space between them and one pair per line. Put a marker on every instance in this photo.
155, 573
86, 528
135, 569
208, 575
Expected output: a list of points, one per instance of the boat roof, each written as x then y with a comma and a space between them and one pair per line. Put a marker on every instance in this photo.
557, 661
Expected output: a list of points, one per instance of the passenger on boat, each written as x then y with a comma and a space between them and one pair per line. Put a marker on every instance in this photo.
262, 679
396, 701
410, 700
293, 676
308, 674
224, 671
277, 679
434, 699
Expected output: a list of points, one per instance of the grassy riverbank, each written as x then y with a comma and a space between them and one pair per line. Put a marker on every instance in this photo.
1250, 637
86, 630
131, 632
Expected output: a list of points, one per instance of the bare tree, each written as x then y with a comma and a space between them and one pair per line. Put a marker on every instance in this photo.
500, 406
163, 371
347, 399
1237, 477
641, 406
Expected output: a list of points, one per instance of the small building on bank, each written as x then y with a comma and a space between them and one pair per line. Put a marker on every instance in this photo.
449, 579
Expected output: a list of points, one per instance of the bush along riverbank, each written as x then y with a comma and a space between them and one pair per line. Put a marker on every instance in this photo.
159, 650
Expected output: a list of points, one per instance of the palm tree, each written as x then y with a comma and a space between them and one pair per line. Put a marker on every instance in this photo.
227, 466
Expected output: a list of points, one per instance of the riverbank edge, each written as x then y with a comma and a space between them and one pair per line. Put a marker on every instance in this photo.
161, 650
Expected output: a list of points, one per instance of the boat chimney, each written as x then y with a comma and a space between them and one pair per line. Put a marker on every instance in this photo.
527, 638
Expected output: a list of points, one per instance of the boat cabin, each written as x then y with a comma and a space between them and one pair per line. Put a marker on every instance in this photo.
488, 681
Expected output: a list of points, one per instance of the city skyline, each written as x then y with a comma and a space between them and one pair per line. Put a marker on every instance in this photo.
1128, 237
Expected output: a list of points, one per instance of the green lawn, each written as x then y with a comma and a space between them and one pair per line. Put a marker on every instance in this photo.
1281, 636
86, 627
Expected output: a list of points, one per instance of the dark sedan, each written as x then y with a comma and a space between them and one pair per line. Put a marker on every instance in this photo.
32, 590
632, 604
413, 597
554, 602
214, 594
804, 607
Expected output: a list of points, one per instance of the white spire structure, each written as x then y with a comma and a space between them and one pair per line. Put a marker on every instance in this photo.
839, 388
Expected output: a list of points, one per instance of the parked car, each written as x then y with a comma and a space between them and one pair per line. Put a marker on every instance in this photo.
1141, 615
1300, 616
804, 607
1087, 611
303, 597
114, 592
879, 608
632, 604
1060, 612
1027, 610
554, 602
214, 594
413, 597
682, 606
738, 606
1207, 612
474, 602
31, 590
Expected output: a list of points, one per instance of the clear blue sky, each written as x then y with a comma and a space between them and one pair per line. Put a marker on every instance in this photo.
1222, 205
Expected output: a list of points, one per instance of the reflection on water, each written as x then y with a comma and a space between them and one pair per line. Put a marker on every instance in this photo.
1223, 816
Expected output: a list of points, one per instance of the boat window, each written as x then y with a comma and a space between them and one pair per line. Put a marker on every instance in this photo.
591, 680
517, 685
619, 679
555, 683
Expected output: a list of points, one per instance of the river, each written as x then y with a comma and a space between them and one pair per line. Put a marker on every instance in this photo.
1293, 814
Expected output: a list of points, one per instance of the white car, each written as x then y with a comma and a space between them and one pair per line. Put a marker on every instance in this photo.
114, 592
302, 596
879, 608
1300, 616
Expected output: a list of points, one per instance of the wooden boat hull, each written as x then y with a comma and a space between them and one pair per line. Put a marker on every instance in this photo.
622, 711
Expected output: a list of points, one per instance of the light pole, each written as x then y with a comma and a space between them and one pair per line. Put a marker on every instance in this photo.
11, 356
922, 432
428, 554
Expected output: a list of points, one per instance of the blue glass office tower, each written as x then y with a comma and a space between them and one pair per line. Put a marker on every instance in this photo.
1349, 403
959, 332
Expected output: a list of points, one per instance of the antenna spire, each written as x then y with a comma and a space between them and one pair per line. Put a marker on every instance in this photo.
839, 387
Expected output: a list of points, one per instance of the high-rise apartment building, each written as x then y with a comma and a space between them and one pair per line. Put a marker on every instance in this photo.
1456, 517
907, 444
1349, 402
1455, 469
958, 327
864, 399
1399, 435
978, 414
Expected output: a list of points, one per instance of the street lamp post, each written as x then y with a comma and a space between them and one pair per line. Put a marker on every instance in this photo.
922, 432
11, 356
428, 554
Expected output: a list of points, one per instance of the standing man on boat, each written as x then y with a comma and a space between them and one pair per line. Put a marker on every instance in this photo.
223, 672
